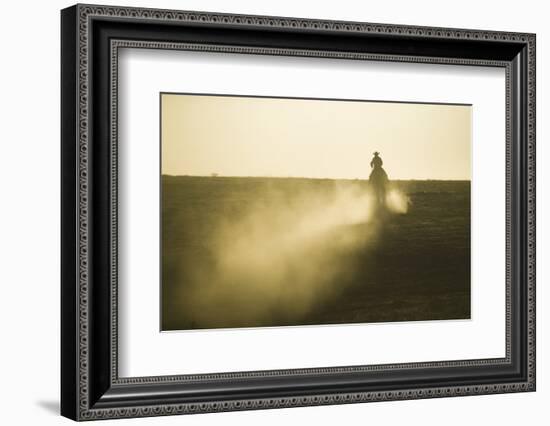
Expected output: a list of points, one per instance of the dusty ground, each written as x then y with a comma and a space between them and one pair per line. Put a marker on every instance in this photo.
248, 252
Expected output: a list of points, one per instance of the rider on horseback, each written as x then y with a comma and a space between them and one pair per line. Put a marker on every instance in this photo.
376, 161
378, 179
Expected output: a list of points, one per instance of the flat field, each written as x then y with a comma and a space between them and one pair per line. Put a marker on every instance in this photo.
253, 252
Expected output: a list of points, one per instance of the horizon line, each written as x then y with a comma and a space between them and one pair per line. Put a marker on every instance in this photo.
313, 178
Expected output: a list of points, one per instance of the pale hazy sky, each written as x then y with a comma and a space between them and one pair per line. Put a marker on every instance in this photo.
244, 136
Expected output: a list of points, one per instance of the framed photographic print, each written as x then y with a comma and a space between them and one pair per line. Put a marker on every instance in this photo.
263, 212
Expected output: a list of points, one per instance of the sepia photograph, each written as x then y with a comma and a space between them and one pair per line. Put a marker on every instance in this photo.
280, 211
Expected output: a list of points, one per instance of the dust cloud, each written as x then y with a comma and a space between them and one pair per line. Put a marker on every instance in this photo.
289, 253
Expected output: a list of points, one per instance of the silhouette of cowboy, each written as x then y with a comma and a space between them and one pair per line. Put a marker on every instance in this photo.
378, 179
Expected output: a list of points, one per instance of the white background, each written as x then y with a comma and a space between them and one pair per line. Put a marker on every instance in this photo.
29, 225
146, 352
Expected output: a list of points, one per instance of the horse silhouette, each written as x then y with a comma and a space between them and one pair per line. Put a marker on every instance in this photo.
378, 180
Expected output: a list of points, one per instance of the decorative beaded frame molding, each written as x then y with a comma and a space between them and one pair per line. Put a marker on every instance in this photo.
84, 409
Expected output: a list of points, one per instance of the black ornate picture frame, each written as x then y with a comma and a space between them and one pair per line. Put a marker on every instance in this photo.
91, 37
